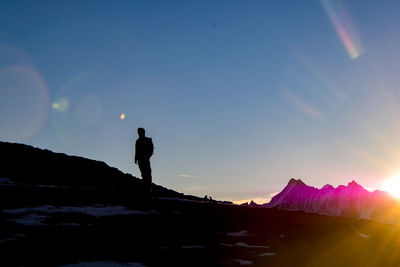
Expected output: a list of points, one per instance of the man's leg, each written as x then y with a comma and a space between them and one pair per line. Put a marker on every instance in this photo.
145, 169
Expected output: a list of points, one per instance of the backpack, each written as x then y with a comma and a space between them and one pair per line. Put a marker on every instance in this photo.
149, 148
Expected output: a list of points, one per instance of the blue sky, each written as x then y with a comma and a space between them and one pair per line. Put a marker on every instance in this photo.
238, 96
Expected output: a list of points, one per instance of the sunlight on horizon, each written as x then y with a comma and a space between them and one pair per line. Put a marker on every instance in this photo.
257, 200
392, 185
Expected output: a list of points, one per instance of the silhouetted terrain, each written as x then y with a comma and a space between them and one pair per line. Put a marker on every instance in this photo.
58, 210
32, 166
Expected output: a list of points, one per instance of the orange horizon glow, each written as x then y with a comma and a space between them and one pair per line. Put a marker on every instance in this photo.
392, 185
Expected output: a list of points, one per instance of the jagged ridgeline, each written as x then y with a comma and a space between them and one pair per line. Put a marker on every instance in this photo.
346, 201
28, 165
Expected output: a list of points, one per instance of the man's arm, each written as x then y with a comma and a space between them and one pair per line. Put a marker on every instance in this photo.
136, 152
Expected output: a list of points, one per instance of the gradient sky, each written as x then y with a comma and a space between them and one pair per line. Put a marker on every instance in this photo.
238, 96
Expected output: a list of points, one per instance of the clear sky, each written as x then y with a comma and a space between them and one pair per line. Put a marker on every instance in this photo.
238, 96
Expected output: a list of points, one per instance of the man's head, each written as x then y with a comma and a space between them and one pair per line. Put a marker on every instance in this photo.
141, 132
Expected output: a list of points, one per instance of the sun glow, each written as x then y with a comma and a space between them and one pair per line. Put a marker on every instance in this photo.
392, 185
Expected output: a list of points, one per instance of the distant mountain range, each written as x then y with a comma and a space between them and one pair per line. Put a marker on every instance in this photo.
347, 201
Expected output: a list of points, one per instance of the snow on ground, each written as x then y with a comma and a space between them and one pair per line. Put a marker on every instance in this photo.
95, 211
240, 233
30, 216
4, 180
243, 262
104, 264
47, 186
14, 237
31, 219
266, 254
363, 235
244, 245
226, 245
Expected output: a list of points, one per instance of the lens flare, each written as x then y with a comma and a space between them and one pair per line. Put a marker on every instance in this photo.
65, 122
10, 55
343, 27
74, 108
122, 116
25, 103
392, 185
61, 105
302, 106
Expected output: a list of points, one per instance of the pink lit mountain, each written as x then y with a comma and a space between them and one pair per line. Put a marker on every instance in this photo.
348, 201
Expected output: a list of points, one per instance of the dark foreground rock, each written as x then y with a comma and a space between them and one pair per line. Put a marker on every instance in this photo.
30, 166
171, 232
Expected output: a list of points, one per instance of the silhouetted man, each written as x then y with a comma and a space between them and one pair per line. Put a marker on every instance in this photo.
144, 149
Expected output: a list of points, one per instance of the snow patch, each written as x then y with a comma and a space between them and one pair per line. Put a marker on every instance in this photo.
4, 180
226, 245
363, 235
267, 254
244, 245
14, 237
89, 210
31, 219
238, 234
7, 239
30, 216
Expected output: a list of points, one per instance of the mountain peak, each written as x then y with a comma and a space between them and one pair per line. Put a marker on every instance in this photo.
353, 184
296, 182
350, 200
253, 204
327, 186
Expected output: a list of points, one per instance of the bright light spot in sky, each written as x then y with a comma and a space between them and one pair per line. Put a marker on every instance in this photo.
344, 27
61, 105
392, 185
122, 116
25, 103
